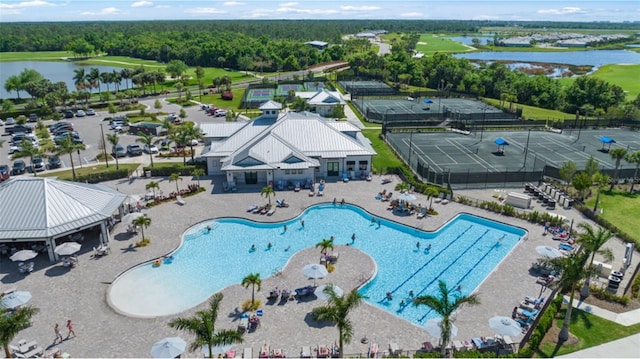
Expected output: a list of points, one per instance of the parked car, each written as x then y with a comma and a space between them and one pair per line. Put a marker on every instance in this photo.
220, 113
4, 173
18, 128
193, 142
14, 149
80, 113
164, 145
10, 121
118, 151
38, 164
54, 162
19, 167
33, 117
61, 137
134, 150
90, 112
68, 114
153, 149
1, 123
116, 124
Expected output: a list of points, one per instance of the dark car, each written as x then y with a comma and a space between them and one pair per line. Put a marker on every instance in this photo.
134, 150
19, 167
18, 128
54, 162
38, 164
118, 151
68, 114
4, 173
61, 137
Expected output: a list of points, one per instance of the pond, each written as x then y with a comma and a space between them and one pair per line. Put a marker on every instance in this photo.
588, 57
468, 40
51, 70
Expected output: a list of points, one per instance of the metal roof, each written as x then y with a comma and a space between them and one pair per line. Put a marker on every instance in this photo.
221, 130
33, 207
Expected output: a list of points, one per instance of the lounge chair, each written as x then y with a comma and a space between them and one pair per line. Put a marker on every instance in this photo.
264, 351
423, 212
180, 200
386, 180
323, 351
281, 203
252, 208
277, 353
446, 199
271, 211
296, 187
233, 187
320, 193
230, 354
369, 177
264, 209
312, 193
345, 177
225, 186
304, 291
280, 185
242, 326
373, 350
440, 197
458, 346
305, 352
427, 347
247, 353
394, 349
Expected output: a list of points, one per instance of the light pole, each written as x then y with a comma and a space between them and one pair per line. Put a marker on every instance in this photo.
440, 96
384, 121
104, 146
484, 111
526, 151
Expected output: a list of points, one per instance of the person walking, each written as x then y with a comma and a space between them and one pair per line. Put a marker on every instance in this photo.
70, 327
58, 334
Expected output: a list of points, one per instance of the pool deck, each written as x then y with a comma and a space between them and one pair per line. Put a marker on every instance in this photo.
79, 294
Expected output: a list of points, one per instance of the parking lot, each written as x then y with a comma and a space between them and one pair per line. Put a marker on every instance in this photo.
90, 131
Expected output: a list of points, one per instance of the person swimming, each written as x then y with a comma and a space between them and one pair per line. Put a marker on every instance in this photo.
411, 293
287, 249
353, 238
418, 245
389, 296
285, 228
253, 248
269, 245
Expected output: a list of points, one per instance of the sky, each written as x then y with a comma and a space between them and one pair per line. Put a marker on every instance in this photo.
123, 10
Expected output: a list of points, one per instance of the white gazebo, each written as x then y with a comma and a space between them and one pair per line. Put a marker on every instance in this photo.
38, 209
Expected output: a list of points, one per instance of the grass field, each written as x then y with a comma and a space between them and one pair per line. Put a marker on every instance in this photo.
429, 44
386, 157
620, 208
536, 113
67, 175
34, 56
591, 330
625, 76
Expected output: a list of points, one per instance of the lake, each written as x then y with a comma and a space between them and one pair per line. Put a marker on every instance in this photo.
53, 71
468, 40
589, 57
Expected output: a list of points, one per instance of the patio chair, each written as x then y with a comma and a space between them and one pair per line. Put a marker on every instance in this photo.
247, 353
296, 187
271, 211
264, 351
225, 186
180, 200
323, 351
440, 197
394, 349
345, 177
373, 350
305, 352
233, 186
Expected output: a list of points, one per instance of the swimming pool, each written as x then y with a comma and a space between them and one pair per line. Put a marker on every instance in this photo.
463, 252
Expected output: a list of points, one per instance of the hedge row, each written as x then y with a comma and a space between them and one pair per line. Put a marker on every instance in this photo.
544, 324
169, 169
107, 175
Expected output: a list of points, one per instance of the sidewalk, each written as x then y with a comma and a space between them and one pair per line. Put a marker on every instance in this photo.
628, 347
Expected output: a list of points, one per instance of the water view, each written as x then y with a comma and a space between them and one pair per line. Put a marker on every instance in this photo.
588, 57
53, 71
468, 40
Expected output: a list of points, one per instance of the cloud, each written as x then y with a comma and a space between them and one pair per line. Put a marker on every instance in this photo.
163, 6
563, 11
142, 4
233, 3
413, 14
259, 13
359, 8
292, 10
25, 4
104, 12
204, 10
289, 4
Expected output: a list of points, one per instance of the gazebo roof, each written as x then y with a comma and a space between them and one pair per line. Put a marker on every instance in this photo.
34, 207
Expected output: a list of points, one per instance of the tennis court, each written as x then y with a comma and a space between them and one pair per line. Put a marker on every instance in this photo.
367, 88
314, 86
527, 151
259, 94
283, 90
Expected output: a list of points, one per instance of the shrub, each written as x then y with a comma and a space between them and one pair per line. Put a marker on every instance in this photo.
603, 294
635, 287
248, 307
107, 175
144, 242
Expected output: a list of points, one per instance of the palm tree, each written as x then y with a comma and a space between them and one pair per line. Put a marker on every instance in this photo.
27, 149
203, 326
126, 74
445, 306
634, 158
14, 323
617, 154
80, 78
337, 311
324, 245
94, 78
190, 132
148, 140
114, 139
252, 280
268, 192
13, 83
197, 173
592, 241
600, 180
153, 185
175, 177
142, 222
431, 192
68, 147
572, 270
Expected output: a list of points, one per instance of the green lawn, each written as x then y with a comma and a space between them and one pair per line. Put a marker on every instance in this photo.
625, 76
620, 208
67, 175
123, 61
591, 330
536, 113
386, 157
34, 56
429, 44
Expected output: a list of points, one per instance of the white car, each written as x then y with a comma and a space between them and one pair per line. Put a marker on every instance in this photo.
80, 113
153, 149
194, 142
220, 113
115, 124
10, 121
14, 149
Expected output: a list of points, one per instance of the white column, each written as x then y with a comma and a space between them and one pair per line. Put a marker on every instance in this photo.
104, 233
51, 245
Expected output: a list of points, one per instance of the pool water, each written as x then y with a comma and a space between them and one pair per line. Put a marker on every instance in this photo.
462, 253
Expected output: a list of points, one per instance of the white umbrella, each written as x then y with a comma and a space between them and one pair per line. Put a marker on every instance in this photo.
406, 196
315, 271
168, 347
67, 248
134, 198
216, 350
15, 299
320, 293
505, 326
548, 252
23, 255
434, 327
129, 218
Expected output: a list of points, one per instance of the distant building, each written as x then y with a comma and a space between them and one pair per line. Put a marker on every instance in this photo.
322, 102
320, 45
